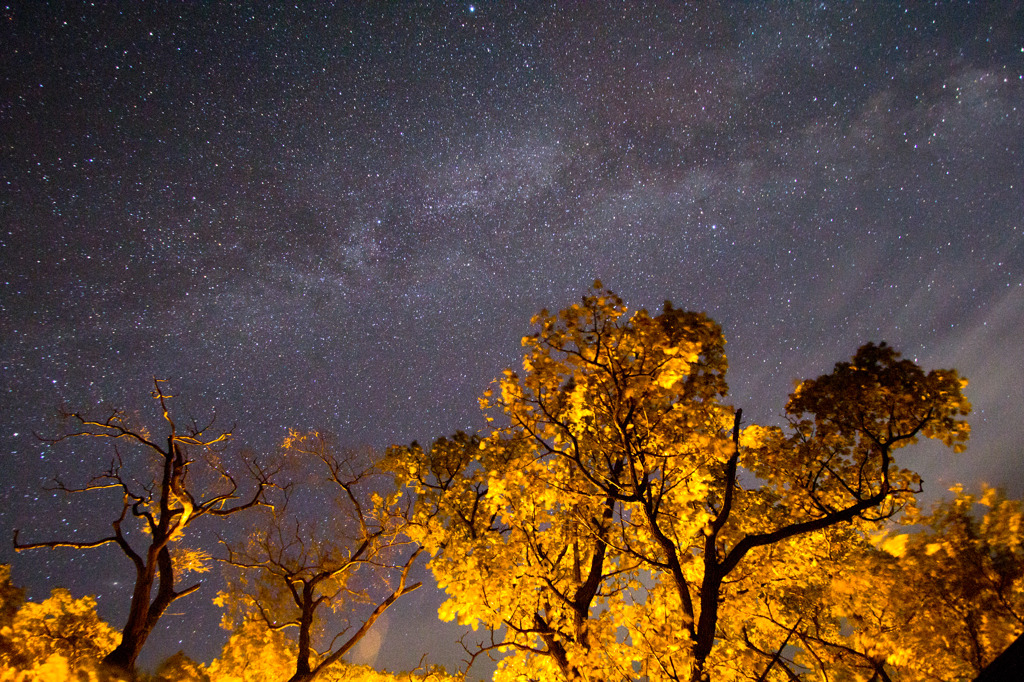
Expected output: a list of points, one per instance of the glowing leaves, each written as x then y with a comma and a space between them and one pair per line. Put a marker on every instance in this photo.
538, 530
255, 654
942, 601
579, 409
448, 611
626, 523
895, 545
675, 368
190, 560
496, 488
56, 638
756, 436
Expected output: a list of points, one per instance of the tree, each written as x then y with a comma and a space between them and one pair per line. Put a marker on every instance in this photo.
940, 602
254, 653
623, 523
11, 597
58, 638
164, 488
292, 571
968, 573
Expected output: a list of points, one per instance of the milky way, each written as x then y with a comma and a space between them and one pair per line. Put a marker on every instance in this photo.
342, 218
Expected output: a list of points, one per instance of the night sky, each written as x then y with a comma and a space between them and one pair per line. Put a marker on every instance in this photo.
342, 216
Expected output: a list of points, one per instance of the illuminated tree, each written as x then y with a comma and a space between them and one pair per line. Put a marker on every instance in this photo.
291, 572
623, 524
254, 653
938, 603
56, 639
164, 486
969, 573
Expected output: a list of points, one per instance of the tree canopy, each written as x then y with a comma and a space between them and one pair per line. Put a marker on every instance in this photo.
290, 572
621, 522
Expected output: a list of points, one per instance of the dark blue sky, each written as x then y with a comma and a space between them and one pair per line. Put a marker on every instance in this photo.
342, 217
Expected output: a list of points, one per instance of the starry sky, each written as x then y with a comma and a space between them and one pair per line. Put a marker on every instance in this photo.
341, 216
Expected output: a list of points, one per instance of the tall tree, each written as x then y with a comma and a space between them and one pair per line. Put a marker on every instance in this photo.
293, 572
164, 485
623, 524
939, 602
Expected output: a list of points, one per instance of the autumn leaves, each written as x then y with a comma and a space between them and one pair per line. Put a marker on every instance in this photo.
618, 523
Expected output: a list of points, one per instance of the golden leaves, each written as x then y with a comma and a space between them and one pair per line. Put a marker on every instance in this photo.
190, 560
895, 545
675, 369
614, 510
57, 638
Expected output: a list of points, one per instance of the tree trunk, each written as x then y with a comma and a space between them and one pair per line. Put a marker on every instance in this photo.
137, 629
303, 671
144, 614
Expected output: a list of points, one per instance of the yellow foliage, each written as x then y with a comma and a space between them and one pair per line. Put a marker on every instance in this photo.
624, 524
190, 560
60, 638
254, 654
939, 602
895, 545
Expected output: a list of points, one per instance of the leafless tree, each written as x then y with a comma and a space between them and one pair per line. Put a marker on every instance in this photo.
294, 569
163, 503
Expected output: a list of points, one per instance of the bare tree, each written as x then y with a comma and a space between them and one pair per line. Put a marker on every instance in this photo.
293, 570
163, 504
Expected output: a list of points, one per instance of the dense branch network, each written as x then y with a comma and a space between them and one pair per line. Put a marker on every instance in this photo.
165, 505
618, 521
291, 570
